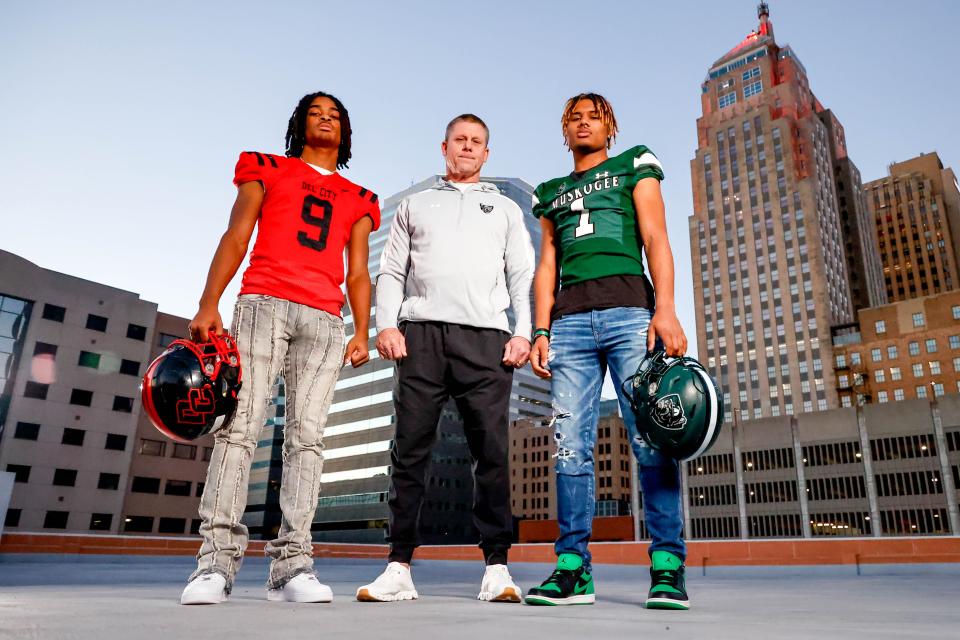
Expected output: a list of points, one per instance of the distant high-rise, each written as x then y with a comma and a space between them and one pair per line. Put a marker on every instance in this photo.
769, 265
916, 210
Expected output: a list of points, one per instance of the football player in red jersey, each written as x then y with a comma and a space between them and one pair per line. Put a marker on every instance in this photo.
287, 320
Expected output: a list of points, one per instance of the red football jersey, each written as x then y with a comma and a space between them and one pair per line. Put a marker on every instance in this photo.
304, 225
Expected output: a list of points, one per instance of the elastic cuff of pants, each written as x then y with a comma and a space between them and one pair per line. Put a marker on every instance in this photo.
279, 583
401, 554
495, 556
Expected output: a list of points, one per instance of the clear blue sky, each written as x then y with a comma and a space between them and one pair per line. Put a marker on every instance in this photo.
120, 123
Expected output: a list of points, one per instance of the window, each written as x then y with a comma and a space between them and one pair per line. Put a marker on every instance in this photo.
931, 345
855, 358
882, 397
918, 370
65, 477
184, 451
921, 391
81, 397
56, 520
955, 342
880, 326
96, 323
138, 524
880, 375
172, 525
165, 339
136, 332
892, 352
13, 518
898, 394
876, 354
895, 373
88, 359
152, 447
177, 488
918, 319
207, 453
914, 348
100, 521
199, 492
130, 368
142, 484
35, 390
21, 472
935, 368
727, 99
752, 89
110, 481
53, 312
938, 389
26, 431
44, 349
116, 442
841, 361
121, 403
956, 311
748, 75
73, 436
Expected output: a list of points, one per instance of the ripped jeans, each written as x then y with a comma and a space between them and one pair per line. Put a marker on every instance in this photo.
582, 346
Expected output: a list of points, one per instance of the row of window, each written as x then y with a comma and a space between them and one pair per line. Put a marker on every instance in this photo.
70, 436
79, 397
104, 521
94, 322
145, 484
65, 477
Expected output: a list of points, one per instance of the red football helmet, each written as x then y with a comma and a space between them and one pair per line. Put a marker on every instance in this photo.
191, 389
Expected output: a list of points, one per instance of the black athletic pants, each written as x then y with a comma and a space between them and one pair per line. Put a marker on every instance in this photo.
450, 360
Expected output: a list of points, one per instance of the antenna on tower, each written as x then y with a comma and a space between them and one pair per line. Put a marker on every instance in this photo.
763, 13
763, 10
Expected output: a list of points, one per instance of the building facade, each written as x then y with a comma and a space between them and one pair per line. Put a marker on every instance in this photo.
916, 211
72, 353
166, 478
900, 351
769, 265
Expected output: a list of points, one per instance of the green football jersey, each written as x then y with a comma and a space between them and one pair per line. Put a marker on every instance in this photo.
594, 217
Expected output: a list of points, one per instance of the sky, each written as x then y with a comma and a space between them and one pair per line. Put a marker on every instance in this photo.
120, 123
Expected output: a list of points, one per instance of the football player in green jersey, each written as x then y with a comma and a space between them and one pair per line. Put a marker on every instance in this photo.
596, 222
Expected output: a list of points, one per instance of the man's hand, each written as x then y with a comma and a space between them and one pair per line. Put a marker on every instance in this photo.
357, 353
391, 345
666, 326
207, 320
516, 352
539, 355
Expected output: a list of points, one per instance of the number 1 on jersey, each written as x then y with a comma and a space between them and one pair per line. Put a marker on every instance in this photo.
585, 228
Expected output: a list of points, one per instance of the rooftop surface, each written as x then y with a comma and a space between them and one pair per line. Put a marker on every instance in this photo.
106, 597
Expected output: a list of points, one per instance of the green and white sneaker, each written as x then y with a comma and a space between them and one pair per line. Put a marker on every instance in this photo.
568, 584
667, 590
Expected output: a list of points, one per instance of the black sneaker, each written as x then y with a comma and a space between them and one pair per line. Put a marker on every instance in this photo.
667, 590
568, 584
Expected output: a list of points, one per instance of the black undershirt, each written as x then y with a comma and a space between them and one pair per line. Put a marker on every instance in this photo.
604, 293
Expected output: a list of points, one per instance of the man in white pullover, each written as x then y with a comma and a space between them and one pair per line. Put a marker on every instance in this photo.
458, 256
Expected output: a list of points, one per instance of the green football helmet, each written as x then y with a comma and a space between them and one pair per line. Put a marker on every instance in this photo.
678, 406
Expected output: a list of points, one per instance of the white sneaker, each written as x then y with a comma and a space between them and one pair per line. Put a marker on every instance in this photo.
395, 583
209, 588
498, 586
303, 587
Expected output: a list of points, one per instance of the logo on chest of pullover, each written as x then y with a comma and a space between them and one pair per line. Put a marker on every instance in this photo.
486, 208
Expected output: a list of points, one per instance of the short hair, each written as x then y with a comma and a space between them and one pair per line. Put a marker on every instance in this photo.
602, 105
297, 128
467, 117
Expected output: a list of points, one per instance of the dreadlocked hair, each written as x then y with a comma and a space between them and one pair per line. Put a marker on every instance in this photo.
296, 128
603, 108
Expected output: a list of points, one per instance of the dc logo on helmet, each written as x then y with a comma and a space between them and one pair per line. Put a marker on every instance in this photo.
668, 413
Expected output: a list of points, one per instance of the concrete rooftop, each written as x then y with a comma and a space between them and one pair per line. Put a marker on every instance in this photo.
132, 597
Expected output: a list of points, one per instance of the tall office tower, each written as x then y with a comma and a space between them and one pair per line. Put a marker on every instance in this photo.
864, 268
916, 210
360, 427
770, 276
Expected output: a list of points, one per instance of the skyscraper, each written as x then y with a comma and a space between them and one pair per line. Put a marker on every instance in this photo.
360, 427
916, 209
769, 266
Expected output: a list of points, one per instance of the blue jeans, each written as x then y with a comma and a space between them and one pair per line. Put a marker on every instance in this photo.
582, 346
